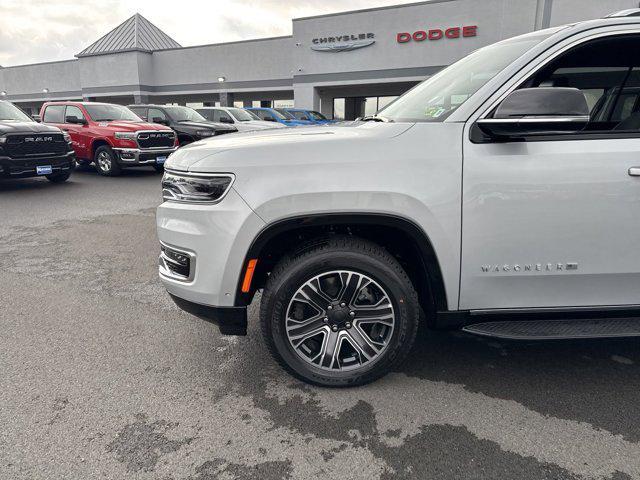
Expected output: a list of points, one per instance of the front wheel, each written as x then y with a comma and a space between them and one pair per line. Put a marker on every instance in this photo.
106, 161
340, 314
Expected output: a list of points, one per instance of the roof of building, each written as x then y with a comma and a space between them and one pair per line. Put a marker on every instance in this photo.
134, 34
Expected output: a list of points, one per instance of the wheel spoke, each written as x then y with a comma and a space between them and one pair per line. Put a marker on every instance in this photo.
381, 314
300, 333
361, 343
330, 350
312, 296
351, 287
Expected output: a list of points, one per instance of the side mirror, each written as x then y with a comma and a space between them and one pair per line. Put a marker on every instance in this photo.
269, 118
304, 118
225, 120
75, 120
160, 120
538, 111
36, 118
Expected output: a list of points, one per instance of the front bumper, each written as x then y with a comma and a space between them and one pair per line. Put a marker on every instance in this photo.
230, 320
216, 239
26, 167
142, 156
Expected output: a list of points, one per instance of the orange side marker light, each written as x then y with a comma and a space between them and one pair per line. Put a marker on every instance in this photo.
248, 275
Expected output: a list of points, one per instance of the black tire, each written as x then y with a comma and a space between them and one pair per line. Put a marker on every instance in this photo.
106, 161
59, 177
339, 253
158, 168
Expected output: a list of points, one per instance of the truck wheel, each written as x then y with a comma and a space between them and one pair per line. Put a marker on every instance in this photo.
339, 314
60, 177
106, 161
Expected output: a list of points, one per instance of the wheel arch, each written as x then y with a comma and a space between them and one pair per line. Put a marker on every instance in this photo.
402, 237
98, 142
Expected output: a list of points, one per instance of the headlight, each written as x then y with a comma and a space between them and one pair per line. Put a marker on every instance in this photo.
205, 133
195, 188
125, 135
67, 137
3, 139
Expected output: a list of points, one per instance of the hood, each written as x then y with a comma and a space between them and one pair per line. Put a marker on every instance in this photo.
296, 122
259, 125
289, 144
132, 126
207, 125
26, 127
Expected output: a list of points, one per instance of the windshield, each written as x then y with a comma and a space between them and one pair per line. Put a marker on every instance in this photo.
8, 111
285, 114
242, 115
184, 114
439, 96
109, 113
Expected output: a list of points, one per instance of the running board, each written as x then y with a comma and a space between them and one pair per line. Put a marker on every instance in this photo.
557, 329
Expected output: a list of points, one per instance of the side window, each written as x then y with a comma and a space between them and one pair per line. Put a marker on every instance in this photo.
216, 116
73, 111
54, 114
224, 117
206, 113
300, 115
140, 111
607, 71
155, 114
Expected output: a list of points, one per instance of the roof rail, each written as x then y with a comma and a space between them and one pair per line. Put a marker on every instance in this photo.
629, 12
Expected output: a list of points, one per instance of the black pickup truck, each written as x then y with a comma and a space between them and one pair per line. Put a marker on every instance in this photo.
31, 149
188, 124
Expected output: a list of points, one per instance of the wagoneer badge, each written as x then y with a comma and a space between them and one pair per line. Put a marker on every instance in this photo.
530, 267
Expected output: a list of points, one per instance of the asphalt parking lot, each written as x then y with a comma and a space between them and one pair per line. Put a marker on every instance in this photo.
101, 376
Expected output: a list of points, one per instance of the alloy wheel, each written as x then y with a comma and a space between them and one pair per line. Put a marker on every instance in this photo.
104, 161
340, 320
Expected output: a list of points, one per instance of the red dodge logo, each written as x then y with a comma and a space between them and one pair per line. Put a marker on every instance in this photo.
437, 34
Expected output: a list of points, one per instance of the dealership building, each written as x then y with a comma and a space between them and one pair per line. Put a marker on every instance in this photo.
344, 64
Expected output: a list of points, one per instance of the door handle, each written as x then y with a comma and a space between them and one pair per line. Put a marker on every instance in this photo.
634, 171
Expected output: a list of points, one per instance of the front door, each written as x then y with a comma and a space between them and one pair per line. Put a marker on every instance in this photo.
78, 132
553, 221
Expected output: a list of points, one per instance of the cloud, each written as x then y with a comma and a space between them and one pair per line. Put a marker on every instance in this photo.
33, 31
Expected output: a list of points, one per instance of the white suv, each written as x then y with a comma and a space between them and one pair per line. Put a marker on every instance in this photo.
243, 120
503, 189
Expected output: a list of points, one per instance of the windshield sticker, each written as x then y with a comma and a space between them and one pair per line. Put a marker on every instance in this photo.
434, 112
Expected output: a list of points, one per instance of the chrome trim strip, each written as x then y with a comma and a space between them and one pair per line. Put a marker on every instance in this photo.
524, 310
534, 119
164, 271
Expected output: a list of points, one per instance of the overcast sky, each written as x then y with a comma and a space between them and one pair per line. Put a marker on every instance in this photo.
38, 31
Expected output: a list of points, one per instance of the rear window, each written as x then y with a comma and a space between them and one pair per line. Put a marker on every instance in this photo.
54, 114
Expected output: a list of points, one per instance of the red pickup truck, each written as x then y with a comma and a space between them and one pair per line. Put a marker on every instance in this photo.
111, 136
